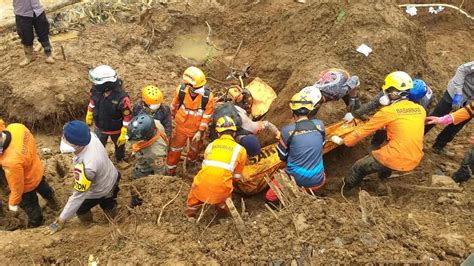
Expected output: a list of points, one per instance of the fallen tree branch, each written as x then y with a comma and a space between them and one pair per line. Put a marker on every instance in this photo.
439, 4
168, 203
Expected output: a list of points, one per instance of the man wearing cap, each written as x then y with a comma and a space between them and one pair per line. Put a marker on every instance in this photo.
23, 170
95, 177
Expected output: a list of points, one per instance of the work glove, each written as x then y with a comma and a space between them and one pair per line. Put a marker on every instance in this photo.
197, 137
348, 117
123, 137
353, 104
445, 120
89, 118
55, 227
338, 140
13, 209
457, 102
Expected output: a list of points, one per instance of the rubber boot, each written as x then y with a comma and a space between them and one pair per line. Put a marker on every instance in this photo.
53, 203
111, 213
28, 56
86, 218
49, 55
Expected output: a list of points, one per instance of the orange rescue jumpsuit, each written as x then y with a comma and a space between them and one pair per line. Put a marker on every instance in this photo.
224, 162
189, 118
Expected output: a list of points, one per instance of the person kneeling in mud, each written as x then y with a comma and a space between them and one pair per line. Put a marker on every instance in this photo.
224, 161
96, 180
334, 84
150, 148
301, 147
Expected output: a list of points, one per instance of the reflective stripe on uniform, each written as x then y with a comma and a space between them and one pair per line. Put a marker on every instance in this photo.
176, 149
91, 105
206, 116
199, 112
171, 166
125, 124
227, 166
204, 125
237, 176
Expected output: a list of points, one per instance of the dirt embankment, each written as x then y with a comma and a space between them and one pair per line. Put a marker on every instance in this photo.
287, 45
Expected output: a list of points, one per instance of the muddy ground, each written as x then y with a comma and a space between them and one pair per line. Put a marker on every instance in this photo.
286, 44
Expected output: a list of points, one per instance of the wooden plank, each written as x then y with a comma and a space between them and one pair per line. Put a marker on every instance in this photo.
239, 223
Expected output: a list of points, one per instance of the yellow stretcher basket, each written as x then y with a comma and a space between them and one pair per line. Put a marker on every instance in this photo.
268, 161
263, 96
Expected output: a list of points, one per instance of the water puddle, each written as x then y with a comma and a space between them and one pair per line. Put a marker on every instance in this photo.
194, 46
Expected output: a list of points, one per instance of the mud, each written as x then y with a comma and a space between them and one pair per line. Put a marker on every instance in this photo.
287, 45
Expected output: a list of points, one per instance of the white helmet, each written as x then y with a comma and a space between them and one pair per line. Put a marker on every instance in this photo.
313, 94
102, 74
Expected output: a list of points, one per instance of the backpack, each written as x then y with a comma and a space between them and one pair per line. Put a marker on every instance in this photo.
300, 126
182, 94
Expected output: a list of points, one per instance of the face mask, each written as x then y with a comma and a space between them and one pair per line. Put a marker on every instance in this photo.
384, 100
199, 91
154, 107
66, 148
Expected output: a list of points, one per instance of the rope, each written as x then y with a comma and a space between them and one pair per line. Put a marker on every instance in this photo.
444, 5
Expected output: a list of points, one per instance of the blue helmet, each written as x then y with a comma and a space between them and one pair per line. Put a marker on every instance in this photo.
418, 91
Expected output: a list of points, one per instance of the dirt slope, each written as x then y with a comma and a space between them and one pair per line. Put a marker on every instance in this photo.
287, 44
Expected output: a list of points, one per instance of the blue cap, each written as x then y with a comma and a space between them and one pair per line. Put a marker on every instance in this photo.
251, 144
77, 132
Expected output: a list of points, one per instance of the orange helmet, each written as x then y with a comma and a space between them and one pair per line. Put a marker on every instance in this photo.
194, 77
152, 95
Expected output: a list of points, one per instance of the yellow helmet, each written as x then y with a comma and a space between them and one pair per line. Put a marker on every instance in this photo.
152, 95
225, 123
194, 77
399, 80
301, 100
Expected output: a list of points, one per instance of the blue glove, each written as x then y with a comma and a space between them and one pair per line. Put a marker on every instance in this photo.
457, 102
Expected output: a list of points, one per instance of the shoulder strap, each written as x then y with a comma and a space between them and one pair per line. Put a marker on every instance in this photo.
303, 125
181, 95
205, 98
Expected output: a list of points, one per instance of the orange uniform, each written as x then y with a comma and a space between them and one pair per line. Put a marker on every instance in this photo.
224, 161
21, 163
463, 114
404, 122
190, 117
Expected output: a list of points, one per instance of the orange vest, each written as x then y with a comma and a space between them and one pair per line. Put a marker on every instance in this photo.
189, 116
404, 122
463, 113
224, 160
21, 163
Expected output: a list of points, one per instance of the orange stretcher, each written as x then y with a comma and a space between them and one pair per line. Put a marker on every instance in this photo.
268, 161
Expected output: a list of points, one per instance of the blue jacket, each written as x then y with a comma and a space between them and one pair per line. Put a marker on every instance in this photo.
163, 114
303, 151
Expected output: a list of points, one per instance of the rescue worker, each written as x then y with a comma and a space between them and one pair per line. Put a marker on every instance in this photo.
192, 109
334, 84
96, 180
152, 104
29, 15
109, 109
224, 161
460, 90
404, 122
246, 127
301, 146
421, 93
464, 114
24, 173
150, 147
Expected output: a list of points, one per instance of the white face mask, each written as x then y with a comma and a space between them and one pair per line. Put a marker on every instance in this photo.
199, 91
154, 107
66, 148
384, 100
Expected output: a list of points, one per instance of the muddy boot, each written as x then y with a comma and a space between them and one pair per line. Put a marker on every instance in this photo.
443, 151
86, 218
49, 53
53, 203
28, 56
462, 174
111, 213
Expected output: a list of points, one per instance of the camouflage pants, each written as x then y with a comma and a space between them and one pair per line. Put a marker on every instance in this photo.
467, 166
363, 167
